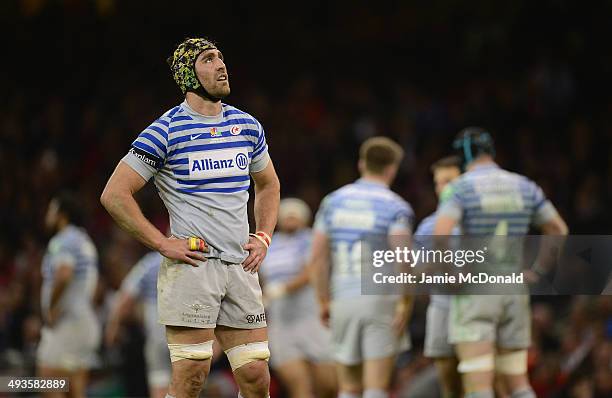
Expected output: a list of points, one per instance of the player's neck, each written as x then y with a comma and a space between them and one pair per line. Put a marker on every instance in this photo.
61, 224
375, 178
202, 105
481, 161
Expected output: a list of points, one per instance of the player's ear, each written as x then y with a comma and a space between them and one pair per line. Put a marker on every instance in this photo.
361, 166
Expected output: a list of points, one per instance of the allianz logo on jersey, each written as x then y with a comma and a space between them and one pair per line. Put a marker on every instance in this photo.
218, 163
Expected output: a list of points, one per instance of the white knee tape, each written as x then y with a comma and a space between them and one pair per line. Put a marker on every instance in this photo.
514, 363
246, 353
483, 363
199, 351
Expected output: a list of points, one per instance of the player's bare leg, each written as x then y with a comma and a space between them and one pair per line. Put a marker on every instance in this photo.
326, 380
158, 392
188, 375
514, 373
295, 376
77, 383
349, 381
450, 379
476, 365
253, 377
377, 377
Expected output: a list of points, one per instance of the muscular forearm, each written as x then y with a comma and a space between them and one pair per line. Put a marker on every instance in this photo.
126, 212
59, 286
320, 278
267, 198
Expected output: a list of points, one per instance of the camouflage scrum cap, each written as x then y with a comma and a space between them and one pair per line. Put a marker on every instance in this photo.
183, 60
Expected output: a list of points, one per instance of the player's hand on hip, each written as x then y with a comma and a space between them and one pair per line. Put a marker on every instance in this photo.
185, 250
257, 252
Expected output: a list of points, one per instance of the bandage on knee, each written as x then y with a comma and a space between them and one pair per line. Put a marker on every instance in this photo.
483, 363
513, 363
246, 353
200, 351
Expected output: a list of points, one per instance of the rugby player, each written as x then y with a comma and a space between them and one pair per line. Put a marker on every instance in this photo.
367, 331
202, 155
300, 345
141, 285
71, 334
492, 333
437, 346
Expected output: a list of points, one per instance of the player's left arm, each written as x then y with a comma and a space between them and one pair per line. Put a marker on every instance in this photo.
267, 199
320, 272
64, 273
400, 236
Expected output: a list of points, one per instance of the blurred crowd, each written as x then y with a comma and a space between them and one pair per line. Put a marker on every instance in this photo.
82, 78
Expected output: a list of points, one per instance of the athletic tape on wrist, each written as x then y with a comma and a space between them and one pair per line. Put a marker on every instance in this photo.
262, 237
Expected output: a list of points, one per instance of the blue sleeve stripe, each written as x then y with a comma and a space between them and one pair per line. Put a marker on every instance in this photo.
178, 161
162, 122
539, 204
154, 140
210, 147
181, 172
160, 131
259, 151
173, 111
214, 180
218, 190
146, 148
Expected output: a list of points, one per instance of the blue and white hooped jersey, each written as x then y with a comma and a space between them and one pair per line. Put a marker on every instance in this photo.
488, 200
202, 165
352, 215
71, 247
287, 256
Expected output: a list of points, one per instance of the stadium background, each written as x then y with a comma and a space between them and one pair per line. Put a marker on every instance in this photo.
82, 78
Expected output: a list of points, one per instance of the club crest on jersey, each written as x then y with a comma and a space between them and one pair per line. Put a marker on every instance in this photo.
235, 130
214, 132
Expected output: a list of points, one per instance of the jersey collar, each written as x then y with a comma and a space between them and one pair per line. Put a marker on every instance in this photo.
191, 112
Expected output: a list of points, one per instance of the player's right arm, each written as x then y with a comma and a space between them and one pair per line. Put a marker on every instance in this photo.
123, 305
320, 260
547, 219
320, 268
118, 199
146, 157
400, 235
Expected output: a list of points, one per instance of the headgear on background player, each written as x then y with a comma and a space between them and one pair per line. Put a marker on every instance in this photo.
182, 65
294, 207
472, 142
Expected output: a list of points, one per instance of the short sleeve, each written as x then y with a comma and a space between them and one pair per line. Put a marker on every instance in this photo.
454, 205
402, 220
260, 156
321, 223
148, 152
543, 209
61, 254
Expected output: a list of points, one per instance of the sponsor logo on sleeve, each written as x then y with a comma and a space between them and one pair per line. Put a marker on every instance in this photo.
146, 157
